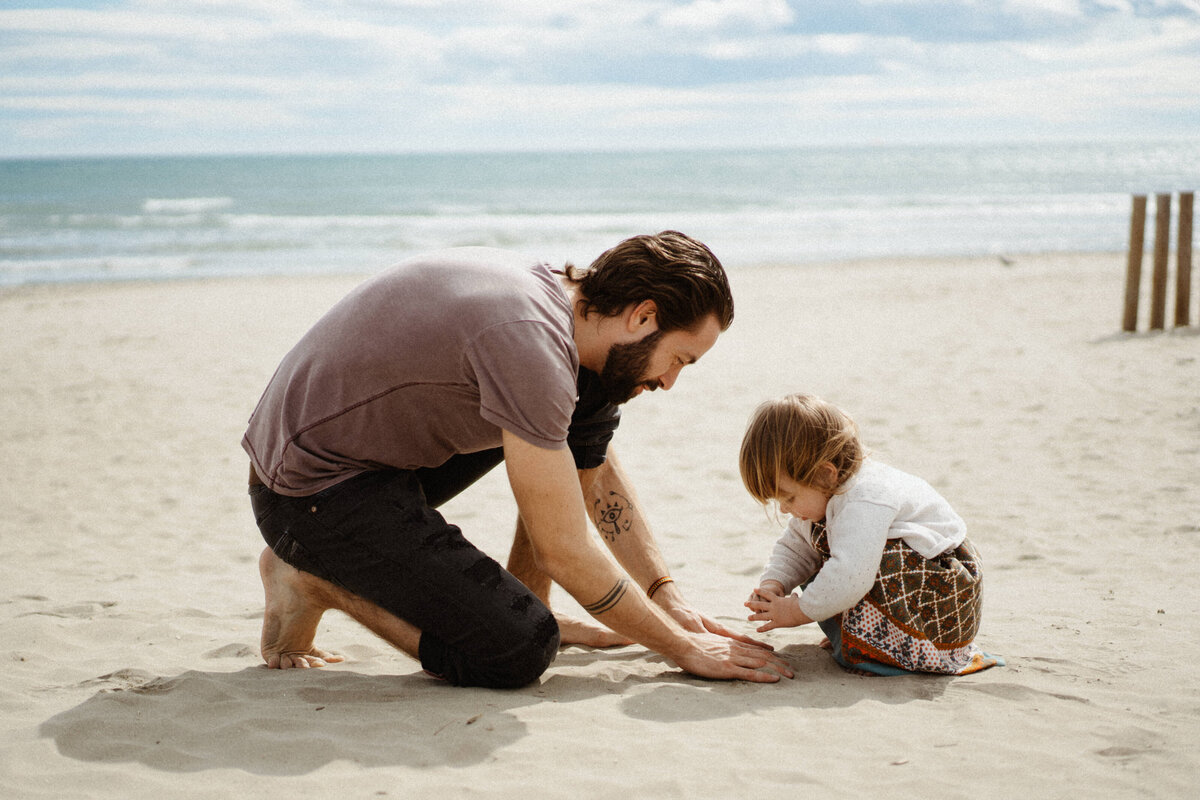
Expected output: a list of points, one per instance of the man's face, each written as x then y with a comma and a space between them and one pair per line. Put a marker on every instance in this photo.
625, 366
655, 360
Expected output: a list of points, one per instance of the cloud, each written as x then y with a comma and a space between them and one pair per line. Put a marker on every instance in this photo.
715, 15
433, 74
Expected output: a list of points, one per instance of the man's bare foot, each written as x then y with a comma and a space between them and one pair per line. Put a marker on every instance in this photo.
577, 631
826, 644
291, 616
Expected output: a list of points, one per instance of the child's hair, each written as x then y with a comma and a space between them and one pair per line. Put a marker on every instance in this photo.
791, 437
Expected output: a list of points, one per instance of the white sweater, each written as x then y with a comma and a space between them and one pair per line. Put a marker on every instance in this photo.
878, 503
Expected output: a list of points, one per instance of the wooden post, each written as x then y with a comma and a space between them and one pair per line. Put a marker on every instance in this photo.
1183, 261
1162, 243
1133, 267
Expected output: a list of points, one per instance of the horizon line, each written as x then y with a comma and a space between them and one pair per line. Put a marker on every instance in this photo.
626, 150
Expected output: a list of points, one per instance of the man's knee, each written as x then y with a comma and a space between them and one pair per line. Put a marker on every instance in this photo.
527, 660
515, 655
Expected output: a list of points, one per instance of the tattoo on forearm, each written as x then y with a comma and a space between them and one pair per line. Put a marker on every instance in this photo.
609, 600
613, 516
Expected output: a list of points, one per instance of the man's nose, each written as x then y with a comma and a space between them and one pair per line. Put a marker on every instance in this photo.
668, 379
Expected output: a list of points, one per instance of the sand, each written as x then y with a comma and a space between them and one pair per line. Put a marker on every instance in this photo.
130, 613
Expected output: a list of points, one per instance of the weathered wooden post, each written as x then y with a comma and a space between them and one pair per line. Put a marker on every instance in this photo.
1183, 261
1133, 266
1162, 243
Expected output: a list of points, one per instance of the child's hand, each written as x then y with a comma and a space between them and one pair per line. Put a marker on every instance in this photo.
774, 586
779, 611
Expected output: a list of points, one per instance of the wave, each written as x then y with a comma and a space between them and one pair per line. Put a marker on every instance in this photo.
185, 205
86, 220
80, 247
63, 270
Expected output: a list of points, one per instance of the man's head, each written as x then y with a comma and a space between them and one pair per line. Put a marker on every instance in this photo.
674, 296
680, 275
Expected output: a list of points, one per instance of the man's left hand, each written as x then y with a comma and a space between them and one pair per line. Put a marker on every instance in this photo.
692, 620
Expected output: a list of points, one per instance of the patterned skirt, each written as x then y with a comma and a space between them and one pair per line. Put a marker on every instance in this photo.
921, 614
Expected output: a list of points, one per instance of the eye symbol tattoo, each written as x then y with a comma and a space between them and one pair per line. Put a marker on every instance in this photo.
610, 517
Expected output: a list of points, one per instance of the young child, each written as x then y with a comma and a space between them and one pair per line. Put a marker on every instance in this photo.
884, 563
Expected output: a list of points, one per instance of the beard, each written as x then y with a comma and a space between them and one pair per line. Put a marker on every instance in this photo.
625, 367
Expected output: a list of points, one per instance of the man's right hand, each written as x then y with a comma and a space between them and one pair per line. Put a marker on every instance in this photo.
713, 656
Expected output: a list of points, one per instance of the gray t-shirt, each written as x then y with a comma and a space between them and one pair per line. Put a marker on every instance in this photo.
430, 358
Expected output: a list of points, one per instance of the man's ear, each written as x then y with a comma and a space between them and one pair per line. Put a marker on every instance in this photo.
643, 317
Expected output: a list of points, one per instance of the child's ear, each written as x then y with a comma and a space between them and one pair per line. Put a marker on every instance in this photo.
826, 477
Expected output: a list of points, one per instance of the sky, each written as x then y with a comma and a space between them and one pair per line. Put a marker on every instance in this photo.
314, 76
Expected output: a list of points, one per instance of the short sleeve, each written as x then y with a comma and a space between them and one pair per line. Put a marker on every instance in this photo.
525, 372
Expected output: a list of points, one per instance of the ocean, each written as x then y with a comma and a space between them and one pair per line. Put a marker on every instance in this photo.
157, 218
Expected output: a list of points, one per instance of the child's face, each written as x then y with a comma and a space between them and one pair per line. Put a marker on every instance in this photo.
804, 502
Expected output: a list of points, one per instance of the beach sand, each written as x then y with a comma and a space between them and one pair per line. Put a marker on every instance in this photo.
130, 615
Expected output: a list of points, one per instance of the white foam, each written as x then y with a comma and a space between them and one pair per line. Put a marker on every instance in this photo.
185, 205
99, 268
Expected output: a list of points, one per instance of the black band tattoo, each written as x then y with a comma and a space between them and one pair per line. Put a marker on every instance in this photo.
609, 600
611, 519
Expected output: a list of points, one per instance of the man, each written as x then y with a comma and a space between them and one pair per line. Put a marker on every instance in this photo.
415, 385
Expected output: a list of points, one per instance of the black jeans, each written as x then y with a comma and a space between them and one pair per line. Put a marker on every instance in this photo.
379, 536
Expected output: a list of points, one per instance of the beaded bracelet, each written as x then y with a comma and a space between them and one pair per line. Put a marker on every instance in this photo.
658, 584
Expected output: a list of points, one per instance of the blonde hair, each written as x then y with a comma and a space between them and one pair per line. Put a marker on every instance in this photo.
792, 437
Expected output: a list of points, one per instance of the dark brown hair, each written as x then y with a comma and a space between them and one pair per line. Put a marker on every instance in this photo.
681, 275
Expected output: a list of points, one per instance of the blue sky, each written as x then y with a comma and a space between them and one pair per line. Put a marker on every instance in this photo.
266, 76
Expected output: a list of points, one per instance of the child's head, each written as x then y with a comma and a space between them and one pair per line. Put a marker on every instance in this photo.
800, 438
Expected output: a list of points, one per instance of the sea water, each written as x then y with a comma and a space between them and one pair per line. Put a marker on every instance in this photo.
170, 217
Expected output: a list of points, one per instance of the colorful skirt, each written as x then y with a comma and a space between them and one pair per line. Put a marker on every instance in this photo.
921, 615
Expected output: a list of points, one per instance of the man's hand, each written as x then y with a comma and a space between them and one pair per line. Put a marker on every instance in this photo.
714, 656
778, 610
693, 621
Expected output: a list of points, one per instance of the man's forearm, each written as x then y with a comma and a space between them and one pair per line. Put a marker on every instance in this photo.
550, 503
613, 506
611, 503
523, 563
614, 509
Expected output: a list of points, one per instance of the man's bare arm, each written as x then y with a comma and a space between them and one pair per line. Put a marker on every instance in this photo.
617, 513
523, 563
547, 490
614, 508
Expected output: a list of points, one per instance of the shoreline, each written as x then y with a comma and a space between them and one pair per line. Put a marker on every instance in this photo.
131, 620
899, 262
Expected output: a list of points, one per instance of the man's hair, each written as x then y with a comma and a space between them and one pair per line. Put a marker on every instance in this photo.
681, 275
791, 437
